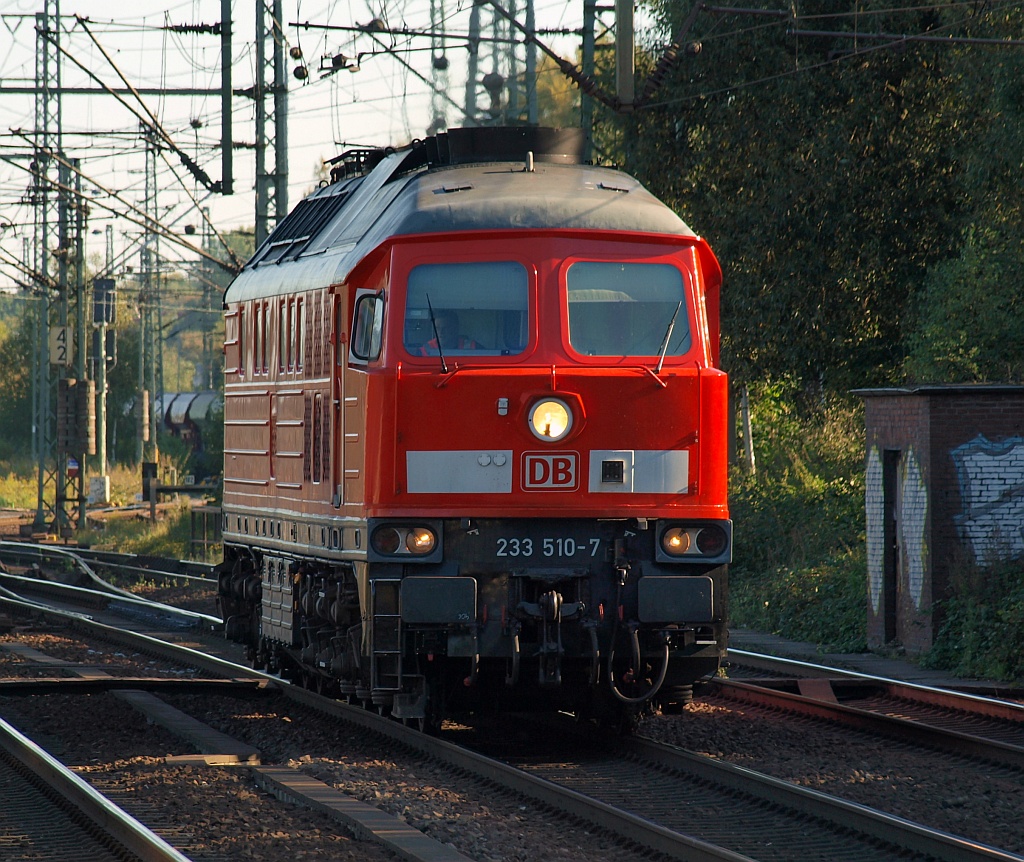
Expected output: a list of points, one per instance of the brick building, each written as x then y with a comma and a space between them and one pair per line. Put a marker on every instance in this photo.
945, 484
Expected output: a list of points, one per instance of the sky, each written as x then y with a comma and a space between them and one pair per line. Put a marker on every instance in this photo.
387, 101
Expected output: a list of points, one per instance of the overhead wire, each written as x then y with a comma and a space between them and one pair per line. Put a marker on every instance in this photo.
143, 219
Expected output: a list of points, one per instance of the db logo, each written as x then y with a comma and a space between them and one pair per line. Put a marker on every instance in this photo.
550, 471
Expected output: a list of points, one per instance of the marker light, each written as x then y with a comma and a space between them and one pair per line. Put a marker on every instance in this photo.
386, 540
550, 420
711, 540
694, 543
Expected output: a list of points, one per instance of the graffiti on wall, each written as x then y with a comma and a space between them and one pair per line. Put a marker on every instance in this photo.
991, 476
874, 506
911, 514
913, 524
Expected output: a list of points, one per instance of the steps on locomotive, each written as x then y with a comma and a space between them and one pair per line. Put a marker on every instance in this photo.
386, 652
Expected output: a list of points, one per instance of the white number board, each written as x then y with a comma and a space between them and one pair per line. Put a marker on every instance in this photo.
62, 345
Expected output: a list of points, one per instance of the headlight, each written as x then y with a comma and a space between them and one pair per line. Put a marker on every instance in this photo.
694, 543
550, 420
390, 540
420, 540
676, 541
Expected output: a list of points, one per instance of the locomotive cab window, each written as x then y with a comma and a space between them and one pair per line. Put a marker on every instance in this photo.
627, 309
471, 309
367, 325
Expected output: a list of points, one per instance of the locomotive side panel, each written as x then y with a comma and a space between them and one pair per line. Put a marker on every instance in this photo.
246, 441
290, 444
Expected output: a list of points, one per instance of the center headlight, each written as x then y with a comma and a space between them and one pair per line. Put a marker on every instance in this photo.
550, 419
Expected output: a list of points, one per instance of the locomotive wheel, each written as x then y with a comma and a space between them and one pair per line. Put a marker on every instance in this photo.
430, 726
620, 719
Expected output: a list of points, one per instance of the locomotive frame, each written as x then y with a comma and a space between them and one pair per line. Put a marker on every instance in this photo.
533, 515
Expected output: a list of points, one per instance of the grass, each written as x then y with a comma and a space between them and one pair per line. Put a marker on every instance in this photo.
19, 487
116, 527
170, 536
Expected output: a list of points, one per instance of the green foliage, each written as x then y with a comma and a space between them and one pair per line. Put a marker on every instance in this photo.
823, 604
558, 99
831, 177
799, 562
982, 634
864, 201
971, 318
19, 488
16, 350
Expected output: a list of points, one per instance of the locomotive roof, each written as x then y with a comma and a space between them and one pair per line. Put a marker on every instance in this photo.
415, 191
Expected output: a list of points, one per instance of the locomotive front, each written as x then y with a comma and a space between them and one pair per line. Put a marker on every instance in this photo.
528, 369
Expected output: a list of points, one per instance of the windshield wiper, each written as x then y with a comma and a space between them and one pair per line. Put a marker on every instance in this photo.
668, 335
437, 336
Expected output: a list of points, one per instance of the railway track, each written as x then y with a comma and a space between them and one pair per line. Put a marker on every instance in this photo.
50, 813
621, 787
988, 728
755, 815
25, 554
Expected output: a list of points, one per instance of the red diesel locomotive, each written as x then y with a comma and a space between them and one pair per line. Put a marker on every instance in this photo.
475, 436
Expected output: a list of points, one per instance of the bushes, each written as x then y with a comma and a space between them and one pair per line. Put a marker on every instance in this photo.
982, 633
824, 604
799, 567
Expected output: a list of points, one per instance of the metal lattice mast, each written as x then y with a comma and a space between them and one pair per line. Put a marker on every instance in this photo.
149, 317
495, 95
271, 91
47, 141
438, 69
206, 274
82, 418
530, 79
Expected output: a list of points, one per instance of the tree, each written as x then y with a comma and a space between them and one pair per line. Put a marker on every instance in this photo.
969, 321
558, 98
17, 342
829, 179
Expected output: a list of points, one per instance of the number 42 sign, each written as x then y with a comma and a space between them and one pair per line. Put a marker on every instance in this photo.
62, 345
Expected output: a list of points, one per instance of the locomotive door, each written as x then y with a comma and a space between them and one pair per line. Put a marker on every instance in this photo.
338, 371
892, 567
363, 322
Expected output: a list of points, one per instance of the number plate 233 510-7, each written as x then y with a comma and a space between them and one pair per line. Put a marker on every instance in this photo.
555, 547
